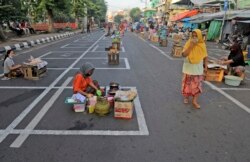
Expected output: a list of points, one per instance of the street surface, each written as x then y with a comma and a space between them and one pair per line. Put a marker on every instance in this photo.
37, 126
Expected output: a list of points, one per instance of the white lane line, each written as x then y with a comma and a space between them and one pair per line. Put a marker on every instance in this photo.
162, 52
236, 89
22, 137
59, 58
95, 68
46, 54
12, 87
247, 71
76, 40
95, 48
213, 58
78, 132
142, 39
123, 49
238, 103
65, 51
42, 46
104, 38
127, 63
75, 47
143, 129
42, 95
64, 46
140, 117
217, 54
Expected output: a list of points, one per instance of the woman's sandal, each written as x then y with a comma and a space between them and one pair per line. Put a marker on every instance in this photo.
185, 101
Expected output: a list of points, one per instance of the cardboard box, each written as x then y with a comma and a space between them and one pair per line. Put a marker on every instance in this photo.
154, 38
123, 110
177, 51
215, 75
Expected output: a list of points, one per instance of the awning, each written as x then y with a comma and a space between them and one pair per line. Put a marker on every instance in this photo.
198, 21
240, 14
245, 22
184, 15
181, 2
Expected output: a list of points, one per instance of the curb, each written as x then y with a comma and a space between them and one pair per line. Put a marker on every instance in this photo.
28, 44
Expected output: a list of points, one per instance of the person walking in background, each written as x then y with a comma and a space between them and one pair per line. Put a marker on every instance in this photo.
88, 27
194, 66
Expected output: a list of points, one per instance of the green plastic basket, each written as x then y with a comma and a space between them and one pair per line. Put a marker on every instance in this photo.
232, 80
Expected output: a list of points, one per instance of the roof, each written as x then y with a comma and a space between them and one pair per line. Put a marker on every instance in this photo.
181, 2
184, 15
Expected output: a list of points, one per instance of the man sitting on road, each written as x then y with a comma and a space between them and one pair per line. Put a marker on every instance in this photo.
83, 83
235, 61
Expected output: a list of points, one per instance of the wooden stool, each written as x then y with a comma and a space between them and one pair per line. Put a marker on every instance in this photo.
116, 45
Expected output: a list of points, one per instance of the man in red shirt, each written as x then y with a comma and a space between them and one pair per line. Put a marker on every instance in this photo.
83, 83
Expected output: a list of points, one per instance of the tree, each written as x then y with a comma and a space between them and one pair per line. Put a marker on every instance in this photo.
135, 14
118, 18
9, 10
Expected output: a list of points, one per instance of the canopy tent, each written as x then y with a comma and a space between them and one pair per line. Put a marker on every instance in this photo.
181, 2
240, 14
186, 23
245, 22
205, 2
184, 15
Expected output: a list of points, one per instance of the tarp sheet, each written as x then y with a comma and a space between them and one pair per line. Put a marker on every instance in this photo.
214, 30
184, 15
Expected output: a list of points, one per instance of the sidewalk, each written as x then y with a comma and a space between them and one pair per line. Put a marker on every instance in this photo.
27, 41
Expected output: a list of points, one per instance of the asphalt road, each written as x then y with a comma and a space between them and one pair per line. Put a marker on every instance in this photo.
36, 125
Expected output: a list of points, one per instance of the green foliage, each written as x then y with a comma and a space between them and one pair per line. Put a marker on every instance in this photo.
57, 10
11, 10
135, 14
118, 18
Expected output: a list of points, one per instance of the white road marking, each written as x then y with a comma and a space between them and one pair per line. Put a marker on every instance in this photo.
64, 46
46, 54
123, 49
127, 63
22, 137
75, 47
76, 40
162, 52
140, 117
42, 95
238, 103
94, 49
143, 129
12, 87
79, 132
236, 89
59, 58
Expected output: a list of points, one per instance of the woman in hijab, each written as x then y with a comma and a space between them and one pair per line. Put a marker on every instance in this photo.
235, 61
83, 83
195, 64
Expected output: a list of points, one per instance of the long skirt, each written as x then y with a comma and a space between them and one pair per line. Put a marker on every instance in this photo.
191, 85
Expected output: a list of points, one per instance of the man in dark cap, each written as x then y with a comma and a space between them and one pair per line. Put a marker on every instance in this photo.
83, 83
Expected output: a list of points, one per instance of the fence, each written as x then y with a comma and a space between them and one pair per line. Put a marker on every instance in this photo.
45, 26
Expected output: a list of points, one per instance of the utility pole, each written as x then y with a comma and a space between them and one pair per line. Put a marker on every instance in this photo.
224, 18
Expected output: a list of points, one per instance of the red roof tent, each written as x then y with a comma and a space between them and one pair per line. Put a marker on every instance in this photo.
184, 15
